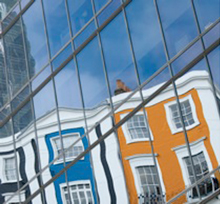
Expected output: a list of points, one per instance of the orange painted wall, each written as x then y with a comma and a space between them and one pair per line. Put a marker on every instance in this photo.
163, 142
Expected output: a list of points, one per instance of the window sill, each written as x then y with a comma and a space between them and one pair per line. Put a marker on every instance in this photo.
137, 140
9, 181
61, 161
175, 131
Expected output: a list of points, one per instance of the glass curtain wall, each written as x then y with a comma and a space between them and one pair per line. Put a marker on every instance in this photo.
144, 75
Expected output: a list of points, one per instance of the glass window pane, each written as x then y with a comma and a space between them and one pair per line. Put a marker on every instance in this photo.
178, 24
80, 13
44, 96
10, 16
67, 87
188, 56
20, 98
84, 35
6, 6
106, 13
118, 59
57, 25
100, 3
62, 57
146, 37
212, 35
40, 78
23, 118
35, 38
92, 74
207, 12
3, 85
15, 58
214, 61
6, 130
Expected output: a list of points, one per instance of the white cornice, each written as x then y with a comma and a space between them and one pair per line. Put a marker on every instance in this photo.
191, 144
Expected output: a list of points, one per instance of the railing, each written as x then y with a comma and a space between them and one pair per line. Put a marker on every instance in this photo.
152, 198
206, 188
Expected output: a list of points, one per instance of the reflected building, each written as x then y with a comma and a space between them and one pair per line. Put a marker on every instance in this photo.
117, 103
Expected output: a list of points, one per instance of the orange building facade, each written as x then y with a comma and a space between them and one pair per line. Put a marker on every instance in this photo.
165, 138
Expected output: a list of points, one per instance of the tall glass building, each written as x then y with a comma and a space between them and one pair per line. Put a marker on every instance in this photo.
109, 101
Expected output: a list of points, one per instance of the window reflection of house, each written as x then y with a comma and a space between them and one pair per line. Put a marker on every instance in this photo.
201, 169
68, 140
10, 169
163, 118
80, 192
11, 176
149, 183
148, 176
137, 127
188, 111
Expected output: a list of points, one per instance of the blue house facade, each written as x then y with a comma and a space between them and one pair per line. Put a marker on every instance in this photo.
80, 176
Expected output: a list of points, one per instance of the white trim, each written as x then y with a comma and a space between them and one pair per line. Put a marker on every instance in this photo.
127, 134
2, 161
15, 198
143, 160
71, 183
182, 152
52, 139
191, 144
169, 115
139, 156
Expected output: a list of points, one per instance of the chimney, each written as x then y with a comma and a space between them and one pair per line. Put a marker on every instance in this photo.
121, 87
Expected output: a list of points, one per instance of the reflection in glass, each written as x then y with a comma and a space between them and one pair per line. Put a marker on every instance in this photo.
212, 35
106, 13
24, 3
159, 115
5, 112
23, 118
84, 35
10, 17
147, 44
6, 130
195, 88
214, 61
20, 98
92, 74
35, 38
57, 25
41, 77
67, 87
6, 6
3, 86
80, 14
188, 56
15, 58
159, 80
117, 55
46, 97
178, 24
207, 11
100, 3
62, 57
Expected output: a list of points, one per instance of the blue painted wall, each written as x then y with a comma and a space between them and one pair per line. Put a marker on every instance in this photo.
82, 170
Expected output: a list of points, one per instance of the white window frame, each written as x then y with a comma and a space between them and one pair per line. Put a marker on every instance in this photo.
79, 143
3, 158
127, 133
182, 152
143, 160
71, 183
15, 198
169, 117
